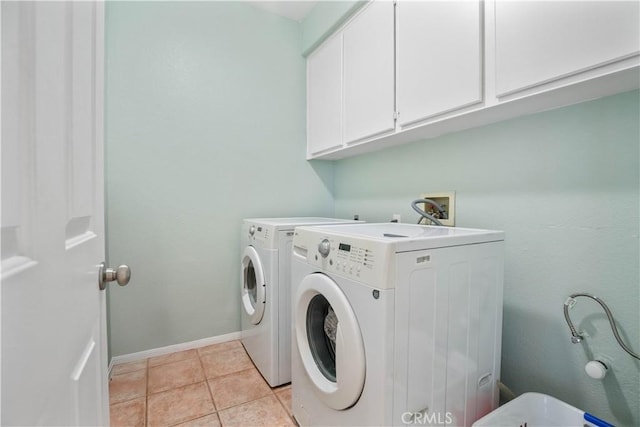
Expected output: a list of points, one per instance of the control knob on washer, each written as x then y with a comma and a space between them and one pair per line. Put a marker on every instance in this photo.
252, 230
324, 248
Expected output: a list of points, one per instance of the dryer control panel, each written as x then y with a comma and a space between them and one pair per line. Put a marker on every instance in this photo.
257, 232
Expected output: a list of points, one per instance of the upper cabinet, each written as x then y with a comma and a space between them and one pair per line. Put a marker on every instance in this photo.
439, 57
324, 97
402, 71
369, 68
538, 42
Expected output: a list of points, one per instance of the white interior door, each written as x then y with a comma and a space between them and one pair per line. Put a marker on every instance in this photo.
54, 355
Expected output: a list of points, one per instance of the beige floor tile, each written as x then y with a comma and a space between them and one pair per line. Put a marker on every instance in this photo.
225, 362
206, 421
128, 386
239, 387
262, 412
176, 374
179, 405
129, 414
123, 368
284, 396
173, 390
217, 348
173, 357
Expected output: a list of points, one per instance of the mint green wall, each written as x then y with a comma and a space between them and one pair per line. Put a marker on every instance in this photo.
323, 19
564, 185
205, 125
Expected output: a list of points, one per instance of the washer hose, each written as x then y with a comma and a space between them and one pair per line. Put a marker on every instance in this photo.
424, 214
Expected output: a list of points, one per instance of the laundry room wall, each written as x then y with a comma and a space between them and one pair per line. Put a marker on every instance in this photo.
564, 185
205, 125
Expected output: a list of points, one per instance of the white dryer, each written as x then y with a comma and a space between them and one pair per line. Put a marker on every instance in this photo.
395, 324
266, 292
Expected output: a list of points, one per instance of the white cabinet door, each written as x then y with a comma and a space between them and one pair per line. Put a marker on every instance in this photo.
541, 41
369, 98
439, 57
324, 97
54, 348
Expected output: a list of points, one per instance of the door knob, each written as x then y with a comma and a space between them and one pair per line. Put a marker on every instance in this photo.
122, 274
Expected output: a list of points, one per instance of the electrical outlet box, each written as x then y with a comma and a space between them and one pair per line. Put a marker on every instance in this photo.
446, 199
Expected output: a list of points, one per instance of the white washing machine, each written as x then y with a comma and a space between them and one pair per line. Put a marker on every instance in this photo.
266, 292
395, 324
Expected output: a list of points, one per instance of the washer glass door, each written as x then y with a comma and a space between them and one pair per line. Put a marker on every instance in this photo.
253, 285
329, 341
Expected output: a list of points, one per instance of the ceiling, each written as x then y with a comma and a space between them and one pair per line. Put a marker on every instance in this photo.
292, 9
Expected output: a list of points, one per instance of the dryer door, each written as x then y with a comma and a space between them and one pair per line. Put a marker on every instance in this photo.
253, 285
329, 341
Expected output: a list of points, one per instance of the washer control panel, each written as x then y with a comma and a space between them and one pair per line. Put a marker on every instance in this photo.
350, 258
366, 261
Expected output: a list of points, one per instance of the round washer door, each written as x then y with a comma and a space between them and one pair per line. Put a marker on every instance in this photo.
253, 285
329, 341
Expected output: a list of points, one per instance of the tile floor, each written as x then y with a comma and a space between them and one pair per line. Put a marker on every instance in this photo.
217, 385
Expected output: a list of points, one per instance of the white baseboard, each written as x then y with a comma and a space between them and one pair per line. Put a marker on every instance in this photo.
132, 357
